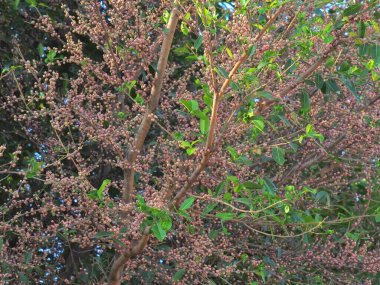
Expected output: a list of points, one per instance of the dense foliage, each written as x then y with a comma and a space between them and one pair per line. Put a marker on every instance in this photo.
190, 142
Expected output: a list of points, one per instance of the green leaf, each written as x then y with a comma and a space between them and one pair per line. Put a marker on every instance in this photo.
121, 115
50, 56
139, 99
269, 185
244, 3
332, 86
350, 85
187, 203
305, 102
229, 52
201, 115
166, 223
104, 234
222, 71
226, 216
190, 151
102, 187
278, 154
1, 243
166, 16
184, 29
32, 3
181, 51
191, 105
93, 195
158, 232
352, 9
251, 50
250, 185
34, 168
323, 197
15, 4
259, 125
198, 42
40, 49
207, 99
179, 274
209, 208
319, 81
204, 125
361, 29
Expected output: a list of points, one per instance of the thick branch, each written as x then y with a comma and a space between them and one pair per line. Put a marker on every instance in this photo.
117, 267
154, 98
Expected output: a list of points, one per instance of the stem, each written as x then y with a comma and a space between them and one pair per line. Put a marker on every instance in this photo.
154, 98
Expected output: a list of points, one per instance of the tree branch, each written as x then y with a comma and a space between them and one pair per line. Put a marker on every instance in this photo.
154, 98
310, 160
212, 129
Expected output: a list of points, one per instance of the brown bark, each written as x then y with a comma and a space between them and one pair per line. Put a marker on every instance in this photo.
154, 98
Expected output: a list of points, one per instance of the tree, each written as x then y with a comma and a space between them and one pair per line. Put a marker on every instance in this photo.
198, 142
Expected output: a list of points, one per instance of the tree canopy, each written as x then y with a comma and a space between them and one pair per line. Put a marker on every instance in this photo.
190, 142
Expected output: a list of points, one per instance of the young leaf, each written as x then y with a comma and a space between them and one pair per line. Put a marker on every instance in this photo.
139, 99
278, 155
102, 187
187, 203
229, 52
